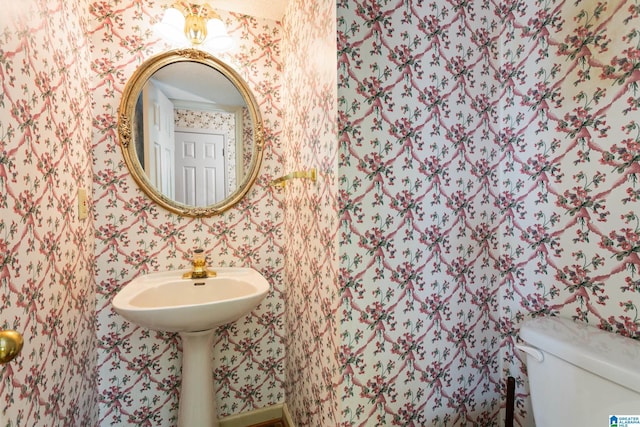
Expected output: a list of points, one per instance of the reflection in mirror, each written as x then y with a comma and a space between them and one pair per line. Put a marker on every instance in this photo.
195, 132
194, 135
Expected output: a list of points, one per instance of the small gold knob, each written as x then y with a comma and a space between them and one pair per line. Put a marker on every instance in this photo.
10, 345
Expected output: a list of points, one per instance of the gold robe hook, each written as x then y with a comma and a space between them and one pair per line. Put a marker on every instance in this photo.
308, 174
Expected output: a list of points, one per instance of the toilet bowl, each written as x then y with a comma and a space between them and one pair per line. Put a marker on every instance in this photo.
580, 375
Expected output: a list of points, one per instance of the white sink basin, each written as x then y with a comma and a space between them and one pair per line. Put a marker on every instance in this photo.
167, 302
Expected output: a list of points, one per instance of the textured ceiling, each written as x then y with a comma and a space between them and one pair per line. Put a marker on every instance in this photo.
272, 9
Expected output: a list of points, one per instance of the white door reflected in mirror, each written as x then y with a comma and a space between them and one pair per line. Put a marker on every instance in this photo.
159, 145
190, 91
200, 168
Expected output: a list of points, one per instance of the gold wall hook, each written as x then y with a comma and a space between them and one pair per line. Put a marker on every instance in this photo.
11, 343
308, 174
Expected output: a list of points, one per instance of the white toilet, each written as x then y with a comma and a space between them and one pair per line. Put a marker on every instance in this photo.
580, 375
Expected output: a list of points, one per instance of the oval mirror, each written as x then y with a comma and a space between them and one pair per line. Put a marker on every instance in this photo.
190, 132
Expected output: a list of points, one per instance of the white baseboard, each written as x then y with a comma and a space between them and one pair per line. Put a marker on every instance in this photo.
286, 416
279, 411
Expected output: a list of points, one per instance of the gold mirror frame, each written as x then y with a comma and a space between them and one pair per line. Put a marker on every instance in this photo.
126, 115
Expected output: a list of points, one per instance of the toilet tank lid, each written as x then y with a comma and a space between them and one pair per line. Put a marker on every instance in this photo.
606, 354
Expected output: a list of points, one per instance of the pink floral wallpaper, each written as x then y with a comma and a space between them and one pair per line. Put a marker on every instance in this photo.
477, 165
311, 214
419, 180
46, 253
488, 173
138, 369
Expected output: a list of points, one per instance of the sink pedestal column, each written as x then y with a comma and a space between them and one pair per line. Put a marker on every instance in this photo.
197, 396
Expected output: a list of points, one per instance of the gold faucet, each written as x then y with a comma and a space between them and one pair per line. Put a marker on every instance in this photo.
199, 270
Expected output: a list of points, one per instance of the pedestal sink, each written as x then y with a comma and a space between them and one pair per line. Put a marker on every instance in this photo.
193, 308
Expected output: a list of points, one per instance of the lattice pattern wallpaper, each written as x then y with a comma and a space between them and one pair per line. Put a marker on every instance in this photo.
46, 253
488, 172
311, 214
139, 370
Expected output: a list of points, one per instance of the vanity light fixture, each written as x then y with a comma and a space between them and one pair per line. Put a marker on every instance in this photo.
194, 24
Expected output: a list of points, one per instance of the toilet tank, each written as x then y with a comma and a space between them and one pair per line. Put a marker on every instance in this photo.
580, 375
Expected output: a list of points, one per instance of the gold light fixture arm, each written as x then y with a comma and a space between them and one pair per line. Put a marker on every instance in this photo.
308, 174
11, 343
195, 23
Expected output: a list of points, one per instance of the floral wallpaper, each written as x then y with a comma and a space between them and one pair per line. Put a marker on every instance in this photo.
569, 187
418, 119
46, 252
488, 173
311, 214
477, 166
138, 369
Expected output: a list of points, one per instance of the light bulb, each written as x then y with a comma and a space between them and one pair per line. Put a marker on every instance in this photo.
218, 40
171, 28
